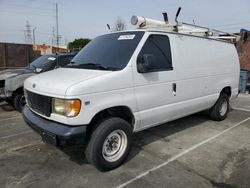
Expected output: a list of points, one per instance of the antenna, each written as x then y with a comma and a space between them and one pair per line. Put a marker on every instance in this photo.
176, 17
177, 14
108, 26
165, 17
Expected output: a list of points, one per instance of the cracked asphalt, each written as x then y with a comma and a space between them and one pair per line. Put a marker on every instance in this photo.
190, 152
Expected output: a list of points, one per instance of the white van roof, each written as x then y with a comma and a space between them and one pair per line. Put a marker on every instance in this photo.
160, 30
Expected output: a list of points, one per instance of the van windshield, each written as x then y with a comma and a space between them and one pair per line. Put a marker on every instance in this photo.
108, 52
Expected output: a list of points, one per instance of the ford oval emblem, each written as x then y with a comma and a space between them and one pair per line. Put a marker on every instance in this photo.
33, 85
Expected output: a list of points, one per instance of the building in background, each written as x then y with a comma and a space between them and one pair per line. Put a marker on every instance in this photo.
243, 48
20, 55
45, 49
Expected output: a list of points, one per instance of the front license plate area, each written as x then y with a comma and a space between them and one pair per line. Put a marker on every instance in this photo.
49, 138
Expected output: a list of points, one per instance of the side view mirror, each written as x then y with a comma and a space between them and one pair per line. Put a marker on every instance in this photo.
146, 63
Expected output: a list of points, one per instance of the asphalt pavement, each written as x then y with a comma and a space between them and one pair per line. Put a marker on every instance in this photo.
190, 152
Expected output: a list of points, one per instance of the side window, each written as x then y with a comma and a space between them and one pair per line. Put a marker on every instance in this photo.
157, 53
64, 60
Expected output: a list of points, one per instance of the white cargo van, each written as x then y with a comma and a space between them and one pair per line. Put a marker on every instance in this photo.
126, 82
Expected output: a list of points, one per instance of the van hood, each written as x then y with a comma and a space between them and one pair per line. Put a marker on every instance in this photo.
56, 82
8, 73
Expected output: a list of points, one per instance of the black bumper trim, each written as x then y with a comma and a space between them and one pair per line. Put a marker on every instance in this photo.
64, 135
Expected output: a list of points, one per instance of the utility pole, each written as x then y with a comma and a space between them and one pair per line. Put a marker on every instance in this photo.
34, 38
28, 39
25, 38
53, 36
57, 31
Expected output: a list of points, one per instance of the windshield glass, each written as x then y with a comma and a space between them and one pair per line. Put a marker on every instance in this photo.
43, 62
108, 52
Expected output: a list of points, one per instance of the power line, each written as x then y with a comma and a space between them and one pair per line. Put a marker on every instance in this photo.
21, 30
43, 2
30, 7
24, 13
245, 26
44, 34
235, 26
230, 24
10, 29
13, 33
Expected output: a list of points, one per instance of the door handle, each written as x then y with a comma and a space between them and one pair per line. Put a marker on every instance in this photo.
174, 88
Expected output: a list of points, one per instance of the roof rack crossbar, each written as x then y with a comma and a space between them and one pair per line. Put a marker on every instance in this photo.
181, 27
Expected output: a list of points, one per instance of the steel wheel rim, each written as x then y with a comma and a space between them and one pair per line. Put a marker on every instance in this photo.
114, 146
223, 108
22, 101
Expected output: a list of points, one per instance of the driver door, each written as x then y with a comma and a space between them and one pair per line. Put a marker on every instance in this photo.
155, 88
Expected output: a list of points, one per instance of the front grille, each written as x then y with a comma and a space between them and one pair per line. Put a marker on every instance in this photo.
39, 103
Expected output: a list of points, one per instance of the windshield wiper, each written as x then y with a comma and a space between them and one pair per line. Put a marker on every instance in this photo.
71, 64
91, 66
98, 66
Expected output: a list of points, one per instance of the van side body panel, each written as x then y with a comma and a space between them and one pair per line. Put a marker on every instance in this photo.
201, 69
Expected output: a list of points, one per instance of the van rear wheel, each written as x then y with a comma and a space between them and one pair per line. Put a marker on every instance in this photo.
109, 144
219, 111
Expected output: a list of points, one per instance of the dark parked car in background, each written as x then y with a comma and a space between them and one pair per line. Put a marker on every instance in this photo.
11, 80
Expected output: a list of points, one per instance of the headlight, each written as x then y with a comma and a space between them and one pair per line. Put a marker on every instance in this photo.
66, 107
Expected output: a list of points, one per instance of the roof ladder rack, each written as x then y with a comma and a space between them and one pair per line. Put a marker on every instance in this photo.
181, 27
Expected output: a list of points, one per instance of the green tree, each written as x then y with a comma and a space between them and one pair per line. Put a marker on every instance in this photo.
78, 44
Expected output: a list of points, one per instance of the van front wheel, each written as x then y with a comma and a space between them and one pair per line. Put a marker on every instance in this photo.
109, 144
219, 111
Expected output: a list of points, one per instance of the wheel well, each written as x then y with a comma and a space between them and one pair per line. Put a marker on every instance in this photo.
227, 90
19, 90
118, 111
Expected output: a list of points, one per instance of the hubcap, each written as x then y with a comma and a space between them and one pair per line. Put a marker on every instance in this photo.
223, 108
114, 146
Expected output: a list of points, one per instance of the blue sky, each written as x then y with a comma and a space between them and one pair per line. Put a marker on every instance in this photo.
88, 18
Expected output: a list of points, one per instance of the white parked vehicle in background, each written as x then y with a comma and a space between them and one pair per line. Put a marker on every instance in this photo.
126, 82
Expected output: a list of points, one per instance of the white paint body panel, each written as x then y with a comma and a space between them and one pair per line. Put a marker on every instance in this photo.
201, 69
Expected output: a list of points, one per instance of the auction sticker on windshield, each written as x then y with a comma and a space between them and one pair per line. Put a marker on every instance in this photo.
126, 37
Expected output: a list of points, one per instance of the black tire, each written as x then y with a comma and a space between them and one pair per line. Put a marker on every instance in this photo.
10, 101
19, 101
216, 113
95, 152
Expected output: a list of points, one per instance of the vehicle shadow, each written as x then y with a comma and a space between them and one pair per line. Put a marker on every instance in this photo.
146, 137
5, 107
162, 132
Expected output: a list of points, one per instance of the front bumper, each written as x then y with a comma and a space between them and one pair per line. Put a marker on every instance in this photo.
55, 133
